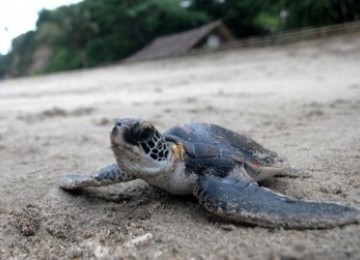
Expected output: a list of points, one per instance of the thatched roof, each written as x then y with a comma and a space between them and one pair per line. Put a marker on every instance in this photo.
180, 43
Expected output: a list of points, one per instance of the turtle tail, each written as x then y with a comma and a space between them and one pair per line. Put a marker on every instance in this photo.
246, 202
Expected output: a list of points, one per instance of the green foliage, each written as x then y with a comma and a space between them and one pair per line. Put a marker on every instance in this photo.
268, 22
126, 26
95, 32
158, 17
247, 17
5, 63
68, 26
49, 33
23, 47
63, 59
320, 12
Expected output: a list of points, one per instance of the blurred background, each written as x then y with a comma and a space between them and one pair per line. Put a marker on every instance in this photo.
50, 36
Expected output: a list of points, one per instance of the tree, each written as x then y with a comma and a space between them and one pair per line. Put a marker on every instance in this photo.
23, 48
126, 26
244, 17
320, 12
69, 26
5, 63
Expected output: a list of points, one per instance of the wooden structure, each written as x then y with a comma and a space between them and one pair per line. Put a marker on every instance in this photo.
209, 36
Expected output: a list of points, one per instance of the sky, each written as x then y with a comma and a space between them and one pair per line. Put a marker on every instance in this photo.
19, 16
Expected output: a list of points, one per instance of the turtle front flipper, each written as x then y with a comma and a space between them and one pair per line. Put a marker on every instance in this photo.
108, 175
240, 201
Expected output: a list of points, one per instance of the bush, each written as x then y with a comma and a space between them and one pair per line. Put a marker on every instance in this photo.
63, 59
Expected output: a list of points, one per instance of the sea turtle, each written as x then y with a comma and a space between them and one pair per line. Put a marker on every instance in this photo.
219, 166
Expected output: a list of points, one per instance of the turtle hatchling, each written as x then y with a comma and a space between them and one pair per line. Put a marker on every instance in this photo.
220, 167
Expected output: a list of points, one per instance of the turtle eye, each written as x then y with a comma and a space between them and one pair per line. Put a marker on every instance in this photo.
142, 132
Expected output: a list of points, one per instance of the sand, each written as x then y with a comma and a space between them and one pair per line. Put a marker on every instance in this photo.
301, 100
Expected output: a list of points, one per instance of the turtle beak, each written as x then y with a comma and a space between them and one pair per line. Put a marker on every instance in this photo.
120, 133
117, 130
114, 133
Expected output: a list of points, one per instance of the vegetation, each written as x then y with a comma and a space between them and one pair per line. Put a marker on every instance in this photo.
96, 32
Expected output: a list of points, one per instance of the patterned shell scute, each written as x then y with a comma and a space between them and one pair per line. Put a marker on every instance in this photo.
219, 137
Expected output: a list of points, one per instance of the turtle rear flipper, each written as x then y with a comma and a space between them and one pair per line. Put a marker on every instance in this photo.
246, 202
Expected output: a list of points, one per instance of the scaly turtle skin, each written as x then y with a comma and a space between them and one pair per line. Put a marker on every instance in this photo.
218, 166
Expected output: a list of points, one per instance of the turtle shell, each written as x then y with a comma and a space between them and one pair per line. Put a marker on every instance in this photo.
209, 139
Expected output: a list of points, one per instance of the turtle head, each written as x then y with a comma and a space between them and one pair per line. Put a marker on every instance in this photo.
139, 147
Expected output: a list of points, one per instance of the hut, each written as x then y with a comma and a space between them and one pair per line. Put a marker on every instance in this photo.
210, 36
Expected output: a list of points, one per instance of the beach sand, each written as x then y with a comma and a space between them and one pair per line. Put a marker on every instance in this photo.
301, 100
